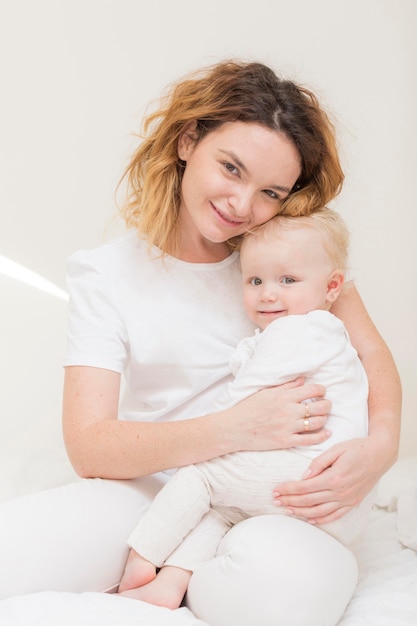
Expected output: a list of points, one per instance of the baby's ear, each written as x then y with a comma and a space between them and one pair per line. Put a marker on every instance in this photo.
334, 285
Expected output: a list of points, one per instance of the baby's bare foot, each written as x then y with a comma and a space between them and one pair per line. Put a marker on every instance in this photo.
167, 589
138, 572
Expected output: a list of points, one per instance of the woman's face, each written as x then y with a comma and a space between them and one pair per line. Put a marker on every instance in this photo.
235, 178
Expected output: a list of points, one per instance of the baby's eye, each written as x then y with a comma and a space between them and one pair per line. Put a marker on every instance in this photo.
287, 280
256, 281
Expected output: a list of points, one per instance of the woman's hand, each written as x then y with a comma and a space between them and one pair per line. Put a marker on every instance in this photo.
275, 418
336, 481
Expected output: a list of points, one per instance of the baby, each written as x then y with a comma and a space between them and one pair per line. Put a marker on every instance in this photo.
292, 270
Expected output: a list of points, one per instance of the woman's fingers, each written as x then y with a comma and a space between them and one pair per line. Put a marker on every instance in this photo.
318, 507
321, 513
314, 436
313, 419
331, 486
305, 425
278, 418
307, 392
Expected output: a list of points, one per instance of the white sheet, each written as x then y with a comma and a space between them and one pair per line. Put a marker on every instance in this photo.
88, 609
387, 589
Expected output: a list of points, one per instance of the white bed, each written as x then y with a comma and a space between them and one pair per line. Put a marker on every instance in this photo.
32, 458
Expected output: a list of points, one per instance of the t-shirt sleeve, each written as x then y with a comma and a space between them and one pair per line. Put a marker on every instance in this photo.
96, 332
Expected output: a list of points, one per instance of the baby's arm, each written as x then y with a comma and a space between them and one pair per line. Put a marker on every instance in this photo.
288, 348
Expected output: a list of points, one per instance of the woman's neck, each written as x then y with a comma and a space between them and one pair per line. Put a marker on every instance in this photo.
203, 256
200, 250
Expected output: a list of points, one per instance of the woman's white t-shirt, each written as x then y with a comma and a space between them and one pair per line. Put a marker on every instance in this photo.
168, 325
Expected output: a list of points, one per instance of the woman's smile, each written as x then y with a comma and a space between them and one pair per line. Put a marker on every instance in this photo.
226, 219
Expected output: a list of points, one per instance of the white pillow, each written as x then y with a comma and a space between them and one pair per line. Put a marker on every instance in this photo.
397, 490
407, 512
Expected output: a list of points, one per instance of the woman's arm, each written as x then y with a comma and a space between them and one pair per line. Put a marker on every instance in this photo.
342, 476
99, 445
385, 393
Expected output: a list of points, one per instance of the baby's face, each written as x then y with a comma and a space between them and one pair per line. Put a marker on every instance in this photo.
284, 274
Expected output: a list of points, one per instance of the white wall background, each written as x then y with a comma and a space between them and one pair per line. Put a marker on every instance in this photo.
76, 76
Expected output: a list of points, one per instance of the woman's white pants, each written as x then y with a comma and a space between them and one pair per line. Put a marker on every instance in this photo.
271, 570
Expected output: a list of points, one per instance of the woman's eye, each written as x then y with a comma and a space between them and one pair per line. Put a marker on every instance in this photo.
272, 194
230, 168
287, 280
256, 281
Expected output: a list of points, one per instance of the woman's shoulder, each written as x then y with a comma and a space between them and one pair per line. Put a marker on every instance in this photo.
116, 253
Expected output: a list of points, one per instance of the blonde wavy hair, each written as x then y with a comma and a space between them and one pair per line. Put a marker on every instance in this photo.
227, 92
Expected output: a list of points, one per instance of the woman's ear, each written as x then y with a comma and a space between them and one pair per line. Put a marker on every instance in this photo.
186, 140
334, 285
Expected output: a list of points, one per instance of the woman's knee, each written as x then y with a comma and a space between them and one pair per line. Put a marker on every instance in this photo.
71, 538
275, 571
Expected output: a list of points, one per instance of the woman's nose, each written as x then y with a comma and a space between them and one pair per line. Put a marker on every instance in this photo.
241, 203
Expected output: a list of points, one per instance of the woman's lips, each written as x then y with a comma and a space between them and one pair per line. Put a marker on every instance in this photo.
227, 219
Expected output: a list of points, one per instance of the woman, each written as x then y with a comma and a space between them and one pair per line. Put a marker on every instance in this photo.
228, 150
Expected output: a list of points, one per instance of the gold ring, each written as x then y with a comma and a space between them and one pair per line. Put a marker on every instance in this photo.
307, 418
